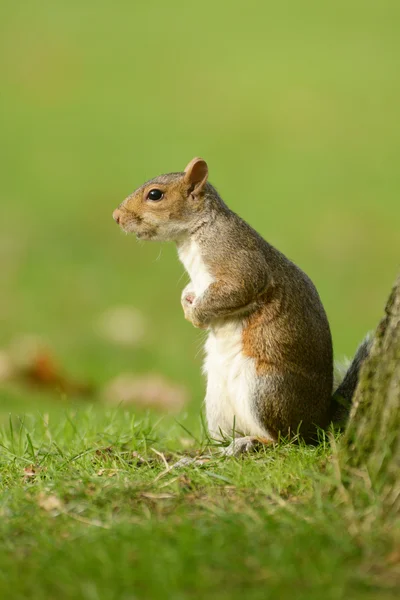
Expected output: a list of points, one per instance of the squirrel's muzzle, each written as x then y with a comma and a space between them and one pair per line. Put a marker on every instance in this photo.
117, 215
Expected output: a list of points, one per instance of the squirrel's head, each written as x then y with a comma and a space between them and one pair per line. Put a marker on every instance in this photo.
167, 207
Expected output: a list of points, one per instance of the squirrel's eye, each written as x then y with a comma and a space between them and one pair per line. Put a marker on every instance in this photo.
155, 194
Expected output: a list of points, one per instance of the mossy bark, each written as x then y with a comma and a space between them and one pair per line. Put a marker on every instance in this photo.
371, 448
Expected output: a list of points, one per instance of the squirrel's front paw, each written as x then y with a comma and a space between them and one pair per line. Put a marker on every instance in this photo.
188, 301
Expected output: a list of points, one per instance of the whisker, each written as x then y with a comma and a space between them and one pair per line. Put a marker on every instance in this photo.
181, 277
159, 255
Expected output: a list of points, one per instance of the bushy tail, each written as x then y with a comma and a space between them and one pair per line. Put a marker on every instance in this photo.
342, 397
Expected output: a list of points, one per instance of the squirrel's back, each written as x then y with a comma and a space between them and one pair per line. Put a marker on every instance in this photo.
284, 329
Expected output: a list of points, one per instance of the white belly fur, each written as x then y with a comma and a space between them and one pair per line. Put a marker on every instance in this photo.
231, 376
231, 383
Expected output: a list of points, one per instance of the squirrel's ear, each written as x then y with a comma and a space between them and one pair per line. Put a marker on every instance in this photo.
196, 174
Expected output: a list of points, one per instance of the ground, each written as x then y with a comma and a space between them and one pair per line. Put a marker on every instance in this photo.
91, 507
295, 108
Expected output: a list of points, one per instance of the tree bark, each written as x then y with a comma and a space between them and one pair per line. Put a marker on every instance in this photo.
370, 455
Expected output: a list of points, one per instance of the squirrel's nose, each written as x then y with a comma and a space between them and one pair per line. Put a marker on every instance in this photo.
117, 215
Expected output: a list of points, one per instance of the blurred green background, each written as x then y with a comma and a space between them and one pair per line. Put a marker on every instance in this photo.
295, 106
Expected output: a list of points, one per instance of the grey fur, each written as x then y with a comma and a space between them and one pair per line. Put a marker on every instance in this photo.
342, 397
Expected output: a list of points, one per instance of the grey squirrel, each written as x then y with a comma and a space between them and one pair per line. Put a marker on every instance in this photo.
269, 358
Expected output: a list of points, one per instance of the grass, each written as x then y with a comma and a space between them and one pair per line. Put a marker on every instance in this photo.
91, 508
295, 107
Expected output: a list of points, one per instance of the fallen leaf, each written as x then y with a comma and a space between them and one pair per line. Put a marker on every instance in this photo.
30, 473
30, 361
44, 372
49, 502
185, 482
104, 452
151, 496
147, 391
108, 472
122, 325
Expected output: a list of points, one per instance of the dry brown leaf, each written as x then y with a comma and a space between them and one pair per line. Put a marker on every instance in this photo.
104, 452
147, 391
185, 482
151, 496
49, 502
30, 472
122, 325
29, 361
108, 472
44, 372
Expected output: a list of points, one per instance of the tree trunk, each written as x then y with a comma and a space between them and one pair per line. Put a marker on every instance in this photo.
370, 455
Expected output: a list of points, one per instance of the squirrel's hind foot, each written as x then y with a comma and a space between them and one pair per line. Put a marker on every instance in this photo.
246, 444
